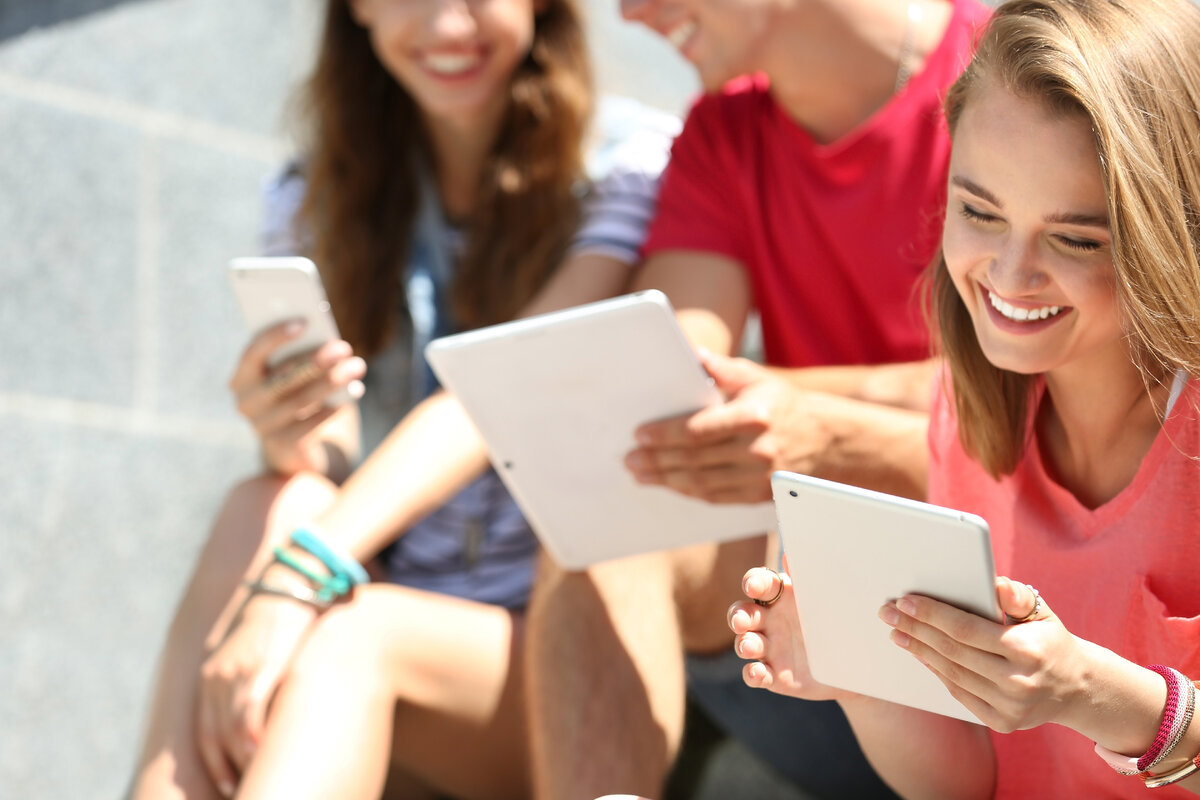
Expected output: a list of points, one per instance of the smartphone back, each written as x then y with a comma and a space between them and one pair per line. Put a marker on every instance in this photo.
273, 290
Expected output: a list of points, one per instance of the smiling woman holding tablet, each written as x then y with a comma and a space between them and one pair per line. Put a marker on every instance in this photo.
1066, 296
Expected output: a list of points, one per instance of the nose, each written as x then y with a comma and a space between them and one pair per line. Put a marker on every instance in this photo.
453, 19
1016, 269
636, 10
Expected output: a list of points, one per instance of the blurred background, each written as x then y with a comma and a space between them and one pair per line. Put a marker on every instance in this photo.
136, 135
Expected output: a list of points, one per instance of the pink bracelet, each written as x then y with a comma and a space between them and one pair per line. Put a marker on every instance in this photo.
1177, 715
1171, 729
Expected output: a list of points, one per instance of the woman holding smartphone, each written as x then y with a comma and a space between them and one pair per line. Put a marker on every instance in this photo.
443, 188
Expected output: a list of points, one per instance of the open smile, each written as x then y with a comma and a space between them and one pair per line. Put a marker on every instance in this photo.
1009, 311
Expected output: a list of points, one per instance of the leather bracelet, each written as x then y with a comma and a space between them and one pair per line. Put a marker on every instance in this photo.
308, 597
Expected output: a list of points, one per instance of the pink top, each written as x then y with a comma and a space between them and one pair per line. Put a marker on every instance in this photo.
833, 237
1124, 575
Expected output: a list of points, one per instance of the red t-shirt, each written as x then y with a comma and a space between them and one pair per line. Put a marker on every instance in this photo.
1123, 575
833, 237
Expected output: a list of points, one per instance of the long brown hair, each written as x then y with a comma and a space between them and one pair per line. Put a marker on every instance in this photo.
1131, 68
363, 131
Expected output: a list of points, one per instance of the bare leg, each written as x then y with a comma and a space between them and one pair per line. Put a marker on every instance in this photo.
256, 515
431, 681
606, 655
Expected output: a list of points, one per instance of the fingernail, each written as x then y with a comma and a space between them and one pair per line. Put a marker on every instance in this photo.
902, 639
226, 788
906, 605
643, 437
355, 389
889, 615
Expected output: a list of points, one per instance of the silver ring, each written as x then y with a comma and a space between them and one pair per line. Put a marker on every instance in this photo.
1037, 606
778, 594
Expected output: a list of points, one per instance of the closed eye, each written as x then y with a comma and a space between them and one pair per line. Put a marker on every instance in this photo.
1081, 245
970, 212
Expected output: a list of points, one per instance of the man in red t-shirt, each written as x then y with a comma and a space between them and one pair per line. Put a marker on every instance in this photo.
808, 186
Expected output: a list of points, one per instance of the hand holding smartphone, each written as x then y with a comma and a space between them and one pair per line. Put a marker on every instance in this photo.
273, 290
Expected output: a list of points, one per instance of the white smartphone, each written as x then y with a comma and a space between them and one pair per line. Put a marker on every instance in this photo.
272, 290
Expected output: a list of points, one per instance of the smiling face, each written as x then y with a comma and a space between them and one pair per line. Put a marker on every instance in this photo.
454, 57
723, 39
1026, 239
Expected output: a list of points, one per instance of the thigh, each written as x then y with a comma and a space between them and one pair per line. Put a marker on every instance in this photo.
452, 669
707, 579
255, 513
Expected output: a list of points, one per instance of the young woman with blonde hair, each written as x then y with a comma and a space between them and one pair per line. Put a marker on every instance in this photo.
1066, 298
443, 187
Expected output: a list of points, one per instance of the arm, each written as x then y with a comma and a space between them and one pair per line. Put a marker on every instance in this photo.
919, 754
860, 425
1020, 676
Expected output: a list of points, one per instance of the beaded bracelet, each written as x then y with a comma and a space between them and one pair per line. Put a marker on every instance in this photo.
336, 560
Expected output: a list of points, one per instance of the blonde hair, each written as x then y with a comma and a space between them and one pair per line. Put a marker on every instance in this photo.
363, 132
1131, 68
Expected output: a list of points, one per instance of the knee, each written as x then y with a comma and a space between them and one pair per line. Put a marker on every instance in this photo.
343, 644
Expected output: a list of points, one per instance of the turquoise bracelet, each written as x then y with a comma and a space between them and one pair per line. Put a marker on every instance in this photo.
336, 560
329, 587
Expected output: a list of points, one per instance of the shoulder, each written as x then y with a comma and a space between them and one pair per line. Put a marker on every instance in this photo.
728, 119
283, 195
629, 137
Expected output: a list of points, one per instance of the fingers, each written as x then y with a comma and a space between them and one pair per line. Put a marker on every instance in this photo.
731, 375
253, 363
707, 426
298, 390
735, 483
758, 675
209, 741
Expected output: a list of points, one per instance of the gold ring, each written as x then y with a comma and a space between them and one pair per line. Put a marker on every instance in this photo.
778, 594
1037, 606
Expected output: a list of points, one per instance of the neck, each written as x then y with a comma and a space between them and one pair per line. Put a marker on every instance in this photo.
836, 63
1096, 426
461, 147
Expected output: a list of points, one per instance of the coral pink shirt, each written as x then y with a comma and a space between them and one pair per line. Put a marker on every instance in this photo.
1125, 575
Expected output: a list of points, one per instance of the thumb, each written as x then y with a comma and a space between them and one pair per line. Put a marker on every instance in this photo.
1020, 602
730, 374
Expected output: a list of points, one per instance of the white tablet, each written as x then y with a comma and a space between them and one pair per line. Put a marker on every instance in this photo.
557, 398
851, 550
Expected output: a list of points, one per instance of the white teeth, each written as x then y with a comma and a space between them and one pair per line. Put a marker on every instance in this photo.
679, 35
447, 64
1022, 314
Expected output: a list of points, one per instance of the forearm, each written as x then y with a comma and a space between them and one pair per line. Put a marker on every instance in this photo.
873, 446
904, 385
430, 456
923, 755
331, 450
1120, 706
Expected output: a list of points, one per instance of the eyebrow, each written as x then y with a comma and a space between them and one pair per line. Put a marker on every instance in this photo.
1060, 218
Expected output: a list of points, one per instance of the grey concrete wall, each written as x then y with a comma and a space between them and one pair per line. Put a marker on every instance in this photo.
133, 140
